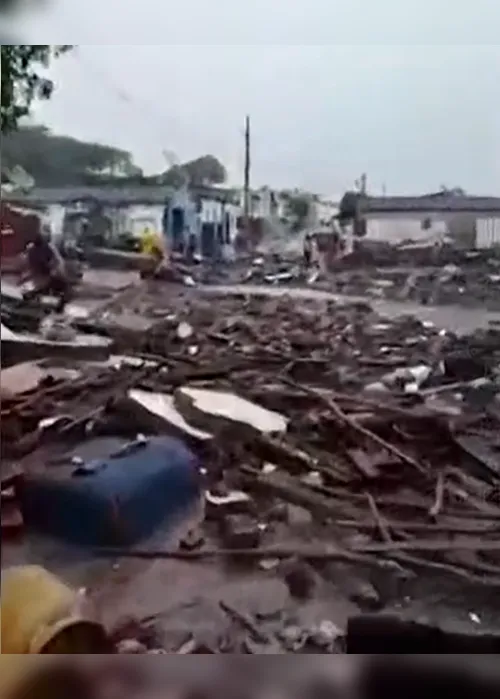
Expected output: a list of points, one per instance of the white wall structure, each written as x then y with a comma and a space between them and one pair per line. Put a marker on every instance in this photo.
481, 231
395, 228
465, 229
469, 221
324, 211
264, 202
488, 232
135, 219
234, 211
54, 218
211, 211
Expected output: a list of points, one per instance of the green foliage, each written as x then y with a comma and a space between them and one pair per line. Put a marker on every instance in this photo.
58, 161
206, 170
21, 80
297, 210
55, 161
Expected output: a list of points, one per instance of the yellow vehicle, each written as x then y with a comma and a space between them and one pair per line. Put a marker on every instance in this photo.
154, 250
152, 244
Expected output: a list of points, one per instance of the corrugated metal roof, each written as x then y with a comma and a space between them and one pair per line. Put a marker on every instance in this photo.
111, 196
430, 203
107, 195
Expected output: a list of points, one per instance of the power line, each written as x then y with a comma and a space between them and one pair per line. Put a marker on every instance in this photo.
143, 106
126, 97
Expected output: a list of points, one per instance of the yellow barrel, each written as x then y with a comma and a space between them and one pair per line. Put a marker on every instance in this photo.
42, 615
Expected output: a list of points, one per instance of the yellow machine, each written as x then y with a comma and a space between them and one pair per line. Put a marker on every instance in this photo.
151, 244
155, 254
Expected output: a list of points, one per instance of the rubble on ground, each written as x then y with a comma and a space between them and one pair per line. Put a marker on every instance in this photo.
469, 279
341, 451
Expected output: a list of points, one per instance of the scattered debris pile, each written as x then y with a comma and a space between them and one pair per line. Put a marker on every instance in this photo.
338, 447
466, 279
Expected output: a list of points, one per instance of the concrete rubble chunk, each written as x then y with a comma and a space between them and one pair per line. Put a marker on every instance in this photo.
29, 346
293, 638
163, 405
130, 646
21, 378
376, 387
241, 532
325, 634
7, 333
219, 506
27, 376
58, 328
215, 410
409, 375
298, 516
364, 594
184, 330
118, 361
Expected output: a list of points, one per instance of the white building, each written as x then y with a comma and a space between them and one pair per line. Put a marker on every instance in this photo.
323, 211
469, 221
129, 210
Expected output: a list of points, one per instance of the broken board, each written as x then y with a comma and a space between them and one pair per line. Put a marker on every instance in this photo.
162, 406
217, 410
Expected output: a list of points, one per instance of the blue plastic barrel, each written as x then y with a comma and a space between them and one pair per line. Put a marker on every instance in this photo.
117, 500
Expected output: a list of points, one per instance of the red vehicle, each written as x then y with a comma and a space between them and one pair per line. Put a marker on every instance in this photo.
18, 228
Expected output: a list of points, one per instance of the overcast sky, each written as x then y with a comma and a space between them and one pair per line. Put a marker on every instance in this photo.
404, 90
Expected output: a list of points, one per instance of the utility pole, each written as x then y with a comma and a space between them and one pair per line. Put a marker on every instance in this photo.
363, 183
246, 185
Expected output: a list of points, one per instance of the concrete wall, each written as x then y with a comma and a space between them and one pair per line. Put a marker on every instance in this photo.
394, 228
136, 218
264, 203
488, 232
468, 230
270, 204
324, 211
133, 219
261, 205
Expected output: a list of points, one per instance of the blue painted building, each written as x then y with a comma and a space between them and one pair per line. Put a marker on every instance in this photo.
210, 222
181, 219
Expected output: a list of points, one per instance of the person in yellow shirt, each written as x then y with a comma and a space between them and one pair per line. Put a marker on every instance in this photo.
151, 243
152, 246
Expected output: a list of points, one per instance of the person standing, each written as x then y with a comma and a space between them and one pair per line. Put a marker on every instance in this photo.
153, 247
46, 269
307, 250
